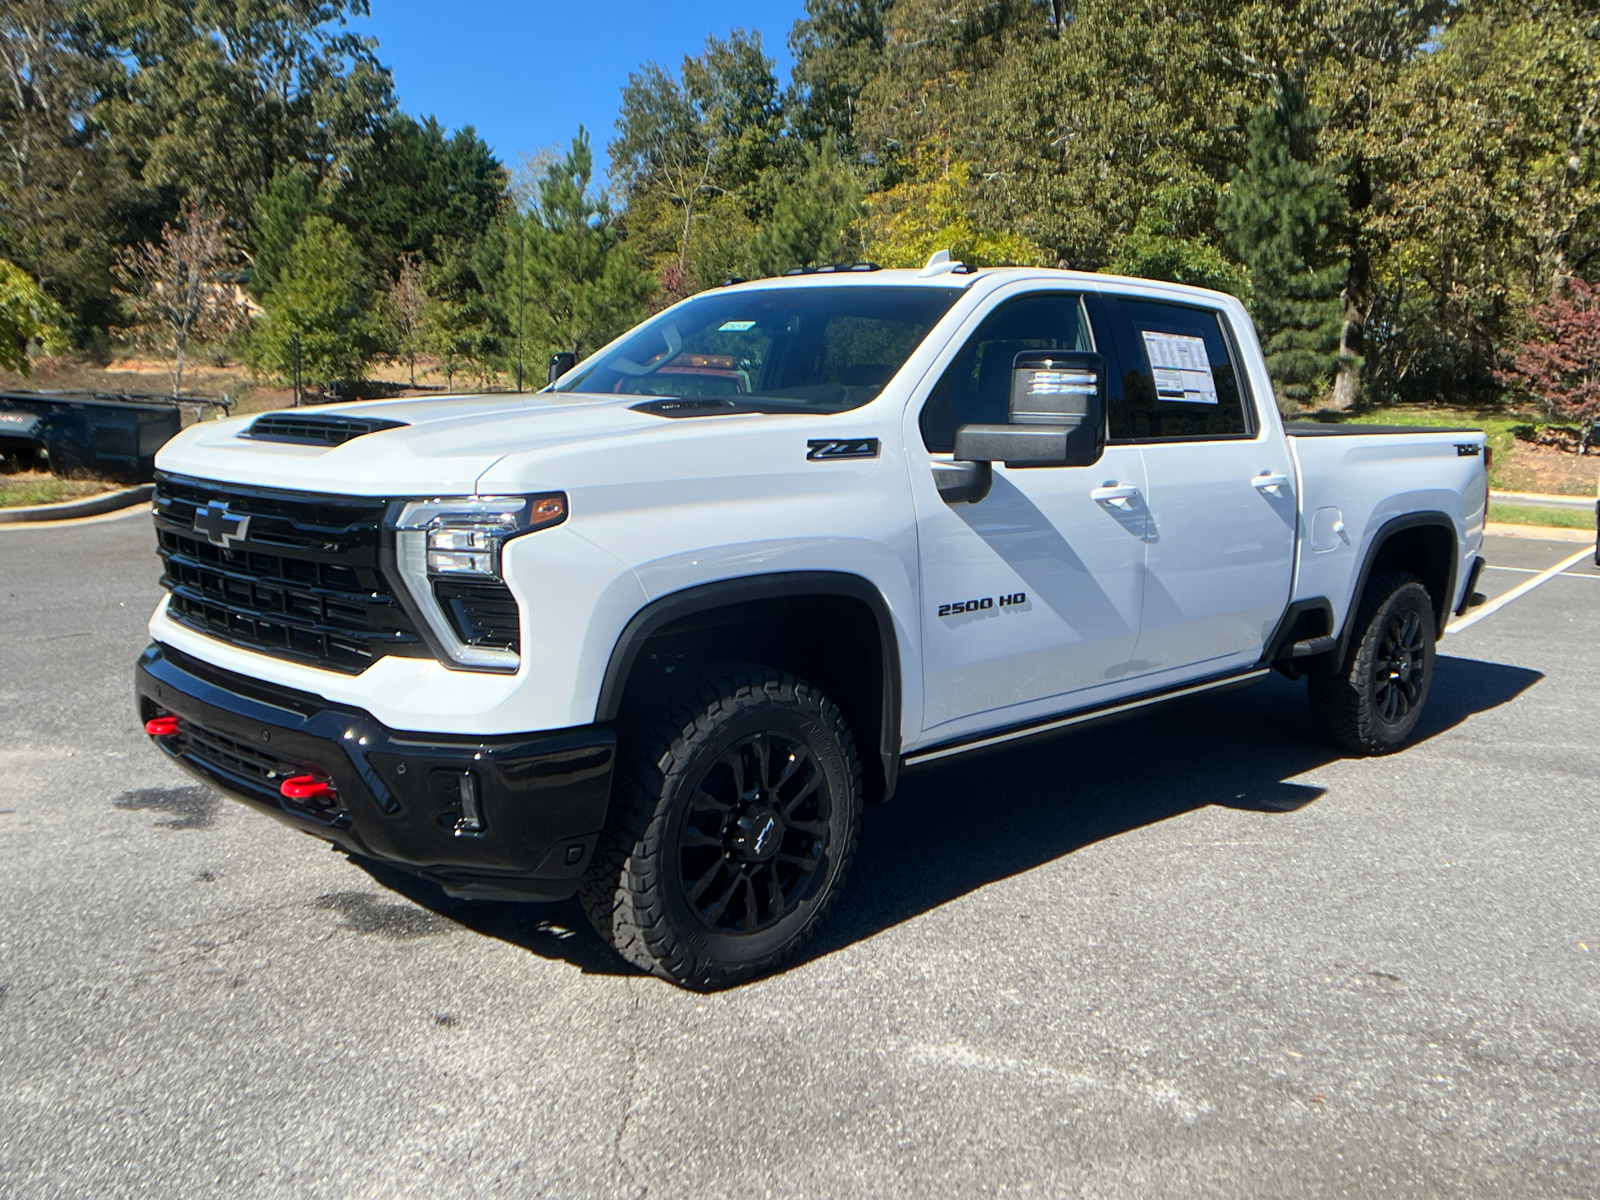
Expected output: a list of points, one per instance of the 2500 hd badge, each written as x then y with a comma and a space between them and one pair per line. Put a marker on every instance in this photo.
988, 602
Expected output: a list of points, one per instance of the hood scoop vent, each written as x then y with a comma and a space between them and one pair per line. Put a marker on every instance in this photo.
707, 406
304, 429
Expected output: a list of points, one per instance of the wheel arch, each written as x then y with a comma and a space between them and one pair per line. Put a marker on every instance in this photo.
832, 628
1424, 543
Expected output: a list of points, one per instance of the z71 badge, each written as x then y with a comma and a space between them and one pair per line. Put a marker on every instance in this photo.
826, 449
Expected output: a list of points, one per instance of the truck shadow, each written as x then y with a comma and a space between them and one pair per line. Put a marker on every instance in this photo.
952, 830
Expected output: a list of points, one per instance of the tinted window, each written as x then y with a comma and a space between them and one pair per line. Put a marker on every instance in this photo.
797, 349
1178, 376
976, 387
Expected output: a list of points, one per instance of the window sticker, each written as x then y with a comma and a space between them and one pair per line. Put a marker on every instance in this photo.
1181, 367
735, 326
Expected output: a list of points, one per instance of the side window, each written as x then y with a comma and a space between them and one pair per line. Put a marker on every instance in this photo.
976, 387
1179, 380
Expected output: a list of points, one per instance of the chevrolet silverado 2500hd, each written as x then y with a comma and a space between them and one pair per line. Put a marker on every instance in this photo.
654, 634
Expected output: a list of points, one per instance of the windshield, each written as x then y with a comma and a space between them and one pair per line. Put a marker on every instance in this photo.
812, 349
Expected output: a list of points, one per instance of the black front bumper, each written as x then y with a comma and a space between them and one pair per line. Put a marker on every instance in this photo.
397, 795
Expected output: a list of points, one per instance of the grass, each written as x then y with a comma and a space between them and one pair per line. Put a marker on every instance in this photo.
32, 488
1527, 514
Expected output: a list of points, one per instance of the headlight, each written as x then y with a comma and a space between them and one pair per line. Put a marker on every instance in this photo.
461, 539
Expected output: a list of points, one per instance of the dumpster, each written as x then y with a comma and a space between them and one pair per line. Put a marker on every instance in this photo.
92, 433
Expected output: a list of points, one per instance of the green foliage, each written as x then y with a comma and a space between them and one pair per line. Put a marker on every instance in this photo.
415, 189
27, 317
1393, 185
1169, 241
700, 155
1280, 213
280, 213
813, 218
580, 284
903, 225
320, 302
838, 48
219, 95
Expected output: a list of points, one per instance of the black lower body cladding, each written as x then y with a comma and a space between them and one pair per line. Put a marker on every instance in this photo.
511, 817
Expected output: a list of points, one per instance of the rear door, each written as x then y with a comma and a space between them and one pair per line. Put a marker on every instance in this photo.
1219, 549
1033, 593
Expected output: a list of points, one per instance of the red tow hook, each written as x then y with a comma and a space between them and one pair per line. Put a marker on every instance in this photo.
161, 726
305, 787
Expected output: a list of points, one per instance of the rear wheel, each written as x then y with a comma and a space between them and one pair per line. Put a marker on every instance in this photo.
1372, 702
736, 814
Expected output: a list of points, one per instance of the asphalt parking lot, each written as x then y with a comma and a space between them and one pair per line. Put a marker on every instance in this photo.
1194, 954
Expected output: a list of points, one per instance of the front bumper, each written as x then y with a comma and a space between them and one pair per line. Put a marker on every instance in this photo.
397, 797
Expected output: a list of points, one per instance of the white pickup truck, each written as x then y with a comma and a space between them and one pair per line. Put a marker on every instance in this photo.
654, 634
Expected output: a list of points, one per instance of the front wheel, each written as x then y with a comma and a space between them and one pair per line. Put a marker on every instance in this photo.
734, 819
1372, 702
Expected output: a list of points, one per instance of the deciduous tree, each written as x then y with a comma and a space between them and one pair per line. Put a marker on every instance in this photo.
28, 317
1559, 367
183, 288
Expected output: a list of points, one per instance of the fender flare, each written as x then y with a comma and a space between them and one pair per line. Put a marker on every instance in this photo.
1416, 520
777, 585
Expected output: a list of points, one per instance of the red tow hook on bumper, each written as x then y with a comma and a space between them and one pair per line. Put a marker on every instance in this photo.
305, 787
161, 726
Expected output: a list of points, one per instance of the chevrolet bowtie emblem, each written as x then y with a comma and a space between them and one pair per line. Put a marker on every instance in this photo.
219, 526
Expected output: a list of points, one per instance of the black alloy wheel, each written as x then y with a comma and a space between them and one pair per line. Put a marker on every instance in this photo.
755, 835
733, 820
1371, 701
1398, 672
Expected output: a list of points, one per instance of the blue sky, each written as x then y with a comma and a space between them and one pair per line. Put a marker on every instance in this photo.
527, 74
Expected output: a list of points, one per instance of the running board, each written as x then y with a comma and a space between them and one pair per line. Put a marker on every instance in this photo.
1049, 728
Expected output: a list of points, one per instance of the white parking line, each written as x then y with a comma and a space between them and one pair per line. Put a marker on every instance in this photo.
1534, 571
1522, 589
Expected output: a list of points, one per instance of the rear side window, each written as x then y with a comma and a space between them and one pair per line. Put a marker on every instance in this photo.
975, 388
1179, 379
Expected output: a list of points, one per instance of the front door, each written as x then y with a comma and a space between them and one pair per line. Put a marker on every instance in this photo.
1219, 553
1033, 593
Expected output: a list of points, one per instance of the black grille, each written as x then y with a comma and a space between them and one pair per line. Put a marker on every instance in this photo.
303, 583
484, 614
310, 430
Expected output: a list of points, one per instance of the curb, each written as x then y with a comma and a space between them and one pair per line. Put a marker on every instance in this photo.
94, 506
1542, 500
1546, 533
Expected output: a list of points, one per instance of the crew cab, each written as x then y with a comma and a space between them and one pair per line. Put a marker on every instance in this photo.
655, 634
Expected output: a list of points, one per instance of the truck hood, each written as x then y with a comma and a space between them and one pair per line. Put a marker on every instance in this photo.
443, 445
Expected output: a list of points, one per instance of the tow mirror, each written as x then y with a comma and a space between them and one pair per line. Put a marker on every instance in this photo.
1057, 414
560, 364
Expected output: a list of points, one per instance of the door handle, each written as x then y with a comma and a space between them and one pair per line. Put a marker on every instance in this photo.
1270, 481
1114, 494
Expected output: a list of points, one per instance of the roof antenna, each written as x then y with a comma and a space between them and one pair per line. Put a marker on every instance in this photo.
939, 263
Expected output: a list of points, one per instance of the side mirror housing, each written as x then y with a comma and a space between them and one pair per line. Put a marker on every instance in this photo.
560, 363
1057, 414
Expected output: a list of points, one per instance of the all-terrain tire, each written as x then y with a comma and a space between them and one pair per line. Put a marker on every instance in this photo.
737, 785
1371, 703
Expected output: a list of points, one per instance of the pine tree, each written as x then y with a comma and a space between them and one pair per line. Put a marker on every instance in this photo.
811, 223
318, 309
1280, 213
275, 224
581, 284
